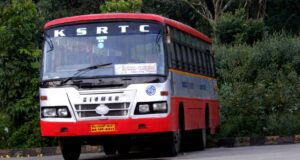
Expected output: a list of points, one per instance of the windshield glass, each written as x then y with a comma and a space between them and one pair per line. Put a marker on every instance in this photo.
132, 48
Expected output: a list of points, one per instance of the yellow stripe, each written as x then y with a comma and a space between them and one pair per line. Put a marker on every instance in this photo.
191, 74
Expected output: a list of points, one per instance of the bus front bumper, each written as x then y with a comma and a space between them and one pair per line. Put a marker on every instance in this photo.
121, 127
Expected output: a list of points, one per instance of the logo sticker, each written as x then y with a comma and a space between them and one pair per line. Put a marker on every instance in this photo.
150, 90
102, 109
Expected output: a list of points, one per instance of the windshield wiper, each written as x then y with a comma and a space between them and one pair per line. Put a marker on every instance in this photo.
80, 71
93, 67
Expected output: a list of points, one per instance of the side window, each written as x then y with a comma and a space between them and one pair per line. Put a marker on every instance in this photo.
208, 63
196, 61
172, 55
190, 54
190, 60
202, 61
178, 56
184, 57
213, 65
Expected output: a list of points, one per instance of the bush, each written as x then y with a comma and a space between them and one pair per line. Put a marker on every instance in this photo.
258, 82
283, 124
29, 135
5, 126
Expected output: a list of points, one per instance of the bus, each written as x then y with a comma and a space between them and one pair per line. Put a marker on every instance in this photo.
117, 79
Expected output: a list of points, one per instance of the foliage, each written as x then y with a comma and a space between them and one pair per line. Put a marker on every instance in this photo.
177, 10
283, 124
5, 125
19, 62
52, 9
235, 27
121, 6
30, 135
258, 83
284, 15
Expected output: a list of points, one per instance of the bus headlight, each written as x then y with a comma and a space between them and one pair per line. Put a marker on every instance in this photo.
151, 108
62, 112
49, 112
144, 108
55, 112
160, 107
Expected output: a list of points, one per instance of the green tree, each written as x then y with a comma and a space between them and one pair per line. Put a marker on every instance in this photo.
19, 62
121, 6
236, 27
52, 9
283, 15
179, 11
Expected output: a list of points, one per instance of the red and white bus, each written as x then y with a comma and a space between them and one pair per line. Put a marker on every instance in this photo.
110, 79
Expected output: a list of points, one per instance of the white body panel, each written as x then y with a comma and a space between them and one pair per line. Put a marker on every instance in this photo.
193, 86
85, 100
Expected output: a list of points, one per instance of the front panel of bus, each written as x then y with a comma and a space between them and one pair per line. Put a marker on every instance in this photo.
104, 78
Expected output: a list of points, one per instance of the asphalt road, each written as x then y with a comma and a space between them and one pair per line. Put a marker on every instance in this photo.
269, 152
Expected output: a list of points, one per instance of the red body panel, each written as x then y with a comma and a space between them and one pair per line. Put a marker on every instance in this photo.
194, 112
133, 16
194, 117
128, 126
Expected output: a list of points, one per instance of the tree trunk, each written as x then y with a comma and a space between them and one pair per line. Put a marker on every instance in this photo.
261, 12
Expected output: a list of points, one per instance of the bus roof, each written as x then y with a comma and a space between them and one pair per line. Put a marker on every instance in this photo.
139, 16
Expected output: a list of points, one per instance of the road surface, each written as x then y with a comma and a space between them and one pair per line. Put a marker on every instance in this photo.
268, 152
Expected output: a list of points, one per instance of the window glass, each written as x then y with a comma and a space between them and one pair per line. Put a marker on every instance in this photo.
73, 47
179, 56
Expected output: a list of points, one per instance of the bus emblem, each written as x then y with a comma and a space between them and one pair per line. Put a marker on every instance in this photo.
150, 90
102, 109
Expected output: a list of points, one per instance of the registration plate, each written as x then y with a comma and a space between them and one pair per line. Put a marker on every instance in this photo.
103, 127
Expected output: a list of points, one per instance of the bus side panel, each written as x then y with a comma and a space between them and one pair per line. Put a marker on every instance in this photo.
175, 112
194, 92
194, 112
214, 111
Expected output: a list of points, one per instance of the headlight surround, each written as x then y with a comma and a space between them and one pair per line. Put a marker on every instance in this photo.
151, 108
55, 112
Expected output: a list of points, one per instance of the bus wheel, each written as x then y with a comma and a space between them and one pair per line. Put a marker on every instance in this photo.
109, 149
174, 142
202, 139
124, 147
70, 148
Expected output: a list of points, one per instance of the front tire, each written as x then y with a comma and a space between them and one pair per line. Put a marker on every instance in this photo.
70, 148
124, 147
109, 149
174, 141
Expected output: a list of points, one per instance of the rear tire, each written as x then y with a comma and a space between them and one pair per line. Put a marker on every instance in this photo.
70, 148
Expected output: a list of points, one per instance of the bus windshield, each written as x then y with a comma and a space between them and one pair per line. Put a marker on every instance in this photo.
132, 48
